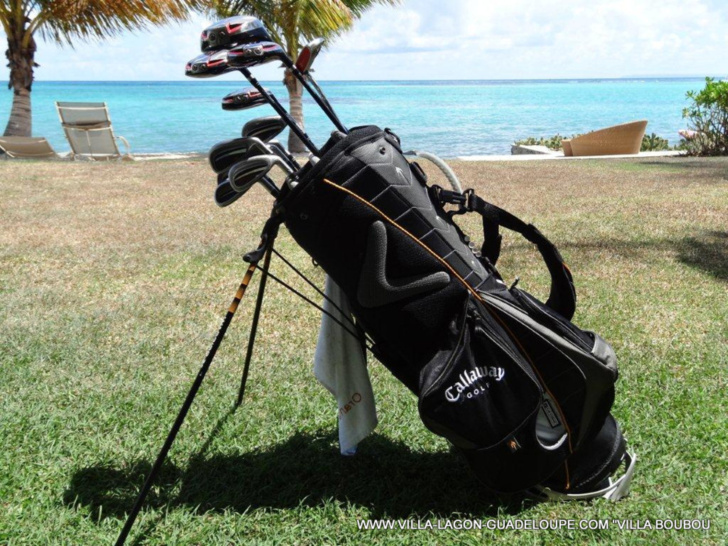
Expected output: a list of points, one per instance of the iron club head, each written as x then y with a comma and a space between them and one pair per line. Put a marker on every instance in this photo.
225, 154
265, 129
225, 194
245, 173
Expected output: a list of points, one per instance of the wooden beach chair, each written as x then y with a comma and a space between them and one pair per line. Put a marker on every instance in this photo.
624, 139
89, 132
27, 147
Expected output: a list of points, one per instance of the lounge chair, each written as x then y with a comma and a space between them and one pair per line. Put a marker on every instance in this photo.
88, 129
27, 147
624, 139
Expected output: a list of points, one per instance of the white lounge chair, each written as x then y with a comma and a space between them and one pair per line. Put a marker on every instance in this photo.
27, 147
88, 129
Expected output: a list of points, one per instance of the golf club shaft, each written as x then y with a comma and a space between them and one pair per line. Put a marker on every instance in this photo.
185, 406
281, 111
285, 155
325, 106
309, 77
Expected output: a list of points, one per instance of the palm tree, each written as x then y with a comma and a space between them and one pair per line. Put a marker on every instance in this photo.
64, 21
292, 23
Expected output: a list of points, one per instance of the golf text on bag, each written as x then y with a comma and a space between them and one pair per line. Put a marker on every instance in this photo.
472, 377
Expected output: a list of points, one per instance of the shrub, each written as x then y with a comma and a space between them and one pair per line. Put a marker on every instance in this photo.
654, 143
553, 143
708, 119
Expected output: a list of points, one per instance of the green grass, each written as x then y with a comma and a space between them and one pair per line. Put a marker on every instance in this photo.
114, 279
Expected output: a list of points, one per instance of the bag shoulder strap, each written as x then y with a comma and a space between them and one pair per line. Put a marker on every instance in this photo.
562, 297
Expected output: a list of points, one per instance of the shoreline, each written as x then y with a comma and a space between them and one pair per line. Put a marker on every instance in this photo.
471, 158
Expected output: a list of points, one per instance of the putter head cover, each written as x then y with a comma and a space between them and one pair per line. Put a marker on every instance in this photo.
231, 32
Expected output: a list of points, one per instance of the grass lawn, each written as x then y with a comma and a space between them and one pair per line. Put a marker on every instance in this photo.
114, 279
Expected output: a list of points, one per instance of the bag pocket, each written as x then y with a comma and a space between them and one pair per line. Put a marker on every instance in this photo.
479, 391
546, 316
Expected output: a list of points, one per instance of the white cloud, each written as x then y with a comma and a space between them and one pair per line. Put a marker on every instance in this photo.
458, 39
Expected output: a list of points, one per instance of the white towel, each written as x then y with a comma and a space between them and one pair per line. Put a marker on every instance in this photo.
340, 365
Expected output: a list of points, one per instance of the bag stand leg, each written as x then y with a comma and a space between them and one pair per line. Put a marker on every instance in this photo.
254, 326
186, 406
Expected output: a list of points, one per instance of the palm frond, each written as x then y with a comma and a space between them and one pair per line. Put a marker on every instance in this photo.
65, 20
292, 22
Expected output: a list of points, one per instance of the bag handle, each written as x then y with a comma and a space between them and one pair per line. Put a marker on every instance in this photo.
562, 297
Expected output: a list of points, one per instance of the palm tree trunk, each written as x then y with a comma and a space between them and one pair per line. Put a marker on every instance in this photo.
21, 63
295, 92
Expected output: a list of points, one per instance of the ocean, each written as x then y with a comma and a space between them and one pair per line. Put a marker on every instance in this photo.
449, 118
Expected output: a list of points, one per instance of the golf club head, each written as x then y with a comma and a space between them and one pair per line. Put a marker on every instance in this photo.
231, 32
248, 55
208, 65
280, 150
308, 54
243, 99
245, 173
275, 148
265, 129
225, 194
225, 154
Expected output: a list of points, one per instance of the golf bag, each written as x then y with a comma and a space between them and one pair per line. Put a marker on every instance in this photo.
519, 390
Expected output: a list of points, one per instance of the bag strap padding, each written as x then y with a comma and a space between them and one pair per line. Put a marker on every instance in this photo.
562, 297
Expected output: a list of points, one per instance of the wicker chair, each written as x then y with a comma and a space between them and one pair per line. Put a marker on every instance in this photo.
621, 139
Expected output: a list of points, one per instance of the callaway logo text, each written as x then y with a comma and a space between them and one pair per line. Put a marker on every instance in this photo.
471, 379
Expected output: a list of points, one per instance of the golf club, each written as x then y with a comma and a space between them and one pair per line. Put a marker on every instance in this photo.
292, 124
243, 99
207, 66
231, 32
224, 154
257, 147
265, 129
225, 194
304, 64
255, 54
245, 173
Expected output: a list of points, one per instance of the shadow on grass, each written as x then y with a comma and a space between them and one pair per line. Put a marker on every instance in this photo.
708, 252
716, 164
386, 477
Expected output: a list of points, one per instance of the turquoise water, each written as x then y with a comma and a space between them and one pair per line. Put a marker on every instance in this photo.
450, 118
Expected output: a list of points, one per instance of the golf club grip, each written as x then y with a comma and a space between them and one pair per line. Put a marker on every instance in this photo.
273, 101
186, 406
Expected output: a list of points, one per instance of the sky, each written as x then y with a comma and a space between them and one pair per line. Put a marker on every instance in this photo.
453, 39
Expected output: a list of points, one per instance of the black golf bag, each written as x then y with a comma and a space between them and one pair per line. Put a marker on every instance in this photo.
519, 390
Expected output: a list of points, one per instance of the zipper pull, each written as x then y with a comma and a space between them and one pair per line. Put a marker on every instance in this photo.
514, 283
